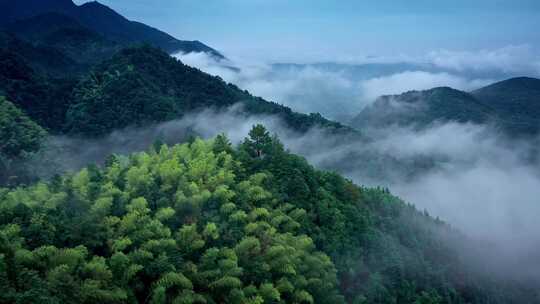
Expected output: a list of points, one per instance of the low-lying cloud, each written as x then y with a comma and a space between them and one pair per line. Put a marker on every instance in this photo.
477, 181
521, 60
417, 80
341, 90
303, 88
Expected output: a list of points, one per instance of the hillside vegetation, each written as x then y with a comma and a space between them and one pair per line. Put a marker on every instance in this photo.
144, 84
204, 222
516, 103
20, 136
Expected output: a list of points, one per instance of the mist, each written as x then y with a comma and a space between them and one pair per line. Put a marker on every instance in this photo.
476, 180
338, 91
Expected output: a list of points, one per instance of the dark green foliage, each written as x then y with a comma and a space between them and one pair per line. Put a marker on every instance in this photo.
259, 142
136, 86
99, 19
511, 106
141, 85
65, 35
19, 137
516, 103
44, 59
44, 99
420, 109
144, 84
19, 134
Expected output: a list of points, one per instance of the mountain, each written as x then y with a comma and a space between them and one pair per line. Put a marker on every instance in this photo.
516, 103
205, 222
25, 80
100, 19
144, 85
65, 35
43, 58
138, 85
420, 109
512, 106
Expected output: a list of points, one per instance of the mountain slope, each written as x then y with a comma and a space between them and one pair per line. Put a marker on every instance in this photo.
420, 109
512, 106
207, 223
66, 35
142, 85
43, 58
22, 81
103, 20
516, 103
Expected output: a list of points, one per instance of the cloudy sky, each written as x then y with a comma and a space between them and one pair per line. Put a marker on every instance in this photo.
293, 30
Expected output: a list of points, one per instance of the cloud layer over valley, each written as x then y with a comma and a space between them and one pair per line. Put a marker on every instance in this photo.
341, 89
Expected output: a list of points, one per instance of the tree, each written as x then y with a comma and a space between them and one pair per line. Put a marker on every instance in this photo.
259, 141
222, 144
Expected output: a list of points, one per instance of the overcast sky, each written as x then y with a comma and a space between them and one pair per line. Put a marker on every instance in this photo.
292, 30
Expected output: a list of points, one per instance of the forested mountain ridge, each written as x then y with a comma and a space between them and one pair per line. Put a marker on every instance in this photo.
23, 82
46, 60
161, 88
204, 222
144, 84
516, 102
136, 87
422, 108
102, 20
511, 106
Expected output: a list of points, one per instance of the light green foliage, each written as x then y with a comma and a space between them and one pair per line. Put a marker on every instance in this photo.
206, 223
19, 134
20, 137
174, 226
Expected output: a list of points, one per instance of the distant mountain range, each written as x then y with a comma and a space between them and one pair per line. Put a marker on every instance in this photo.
33, 18
512, 105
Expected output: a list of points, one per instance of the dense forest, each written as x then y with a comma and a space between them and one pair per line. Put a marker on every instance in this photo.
206, 222
21, 137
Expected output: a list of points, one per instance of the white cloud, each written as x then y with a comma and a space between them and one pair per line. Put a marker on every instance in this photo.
305, 88
416, 80
515, 59
334, 92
